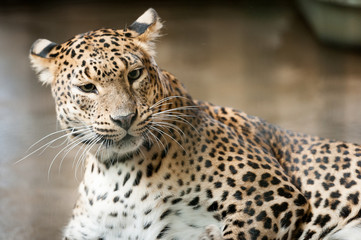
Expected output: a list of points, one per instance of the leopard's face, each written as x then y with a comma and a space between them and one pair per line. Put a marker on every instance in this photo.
105, 84
106, 96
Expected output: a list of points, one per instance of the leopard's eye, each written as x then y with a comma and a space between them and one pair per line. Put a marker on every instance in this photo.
134, 75
88, 88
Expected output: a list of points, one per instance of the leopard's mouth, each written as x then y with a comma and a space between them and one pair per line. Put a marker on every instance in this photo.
109, 145
125, 146
108, 142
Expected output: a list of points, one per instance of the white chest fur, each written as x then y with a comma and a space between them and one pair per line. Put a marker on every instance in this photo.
114, 205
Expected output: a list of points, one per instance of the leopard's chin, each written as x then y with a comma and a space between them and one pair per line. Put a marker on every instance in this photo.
119, 151
127, 144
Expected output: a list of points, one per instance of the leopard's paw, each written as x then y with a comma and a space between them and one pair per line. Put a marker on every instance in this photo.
211, 232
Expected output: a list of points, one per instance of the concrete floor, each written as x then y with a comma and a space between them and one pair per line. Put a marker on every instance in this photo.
261, 58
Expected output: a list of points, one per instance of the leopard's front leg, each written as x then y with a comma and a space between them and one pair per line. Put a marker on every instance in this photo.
266, 215
83, 225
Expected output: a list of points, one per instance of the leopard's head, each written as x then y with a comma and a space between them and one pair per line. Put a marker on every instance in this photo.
105, 83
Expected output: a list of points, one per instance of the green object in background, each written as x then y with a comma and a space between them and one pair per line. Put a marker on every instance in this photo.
334, 21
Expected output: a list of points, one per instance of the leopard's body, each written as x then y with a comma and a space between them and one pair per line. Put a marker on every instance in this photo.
162, 165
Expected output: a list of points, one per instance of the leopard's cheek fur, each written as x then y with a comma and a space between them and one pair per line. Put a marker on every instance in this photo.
82, 111
72, 109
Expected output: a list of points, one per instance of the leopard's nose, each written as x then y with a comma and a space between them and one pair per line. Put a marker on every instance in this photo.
124, 121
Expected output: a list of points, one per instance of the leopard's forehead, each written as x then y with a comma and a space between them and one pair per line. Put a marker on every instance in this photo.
104, 53
98, 43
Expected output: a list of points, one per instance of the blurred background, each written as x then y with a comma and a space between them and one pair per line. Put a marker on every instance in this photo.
295, 64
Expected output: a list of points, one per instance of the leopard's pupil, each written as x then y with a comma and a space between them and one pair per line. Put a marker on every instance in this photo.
134, 75
89, 86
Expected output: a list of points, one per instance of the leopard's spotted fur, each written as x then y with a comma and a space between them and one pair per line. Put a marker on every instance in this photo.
162, 165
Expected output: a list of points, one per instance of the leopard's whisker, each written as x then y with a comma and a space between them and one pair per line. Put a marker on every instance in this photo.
171, 126
178, 119
177, 109
157, 140
94, 142
86, 149
160, 114
46, 145
162, 132
45, 137
98, 150
141, 152
161, 105
166, 99
69, 150
81, 148
64, 149
149, 136
72, 131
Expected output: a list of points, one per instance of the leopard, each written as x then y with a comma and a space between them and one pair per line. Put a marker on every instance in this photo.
162, 165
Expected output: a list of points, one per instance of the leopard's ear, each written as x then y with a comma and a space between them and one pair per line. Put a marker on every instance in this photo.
41, 59
146, 28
